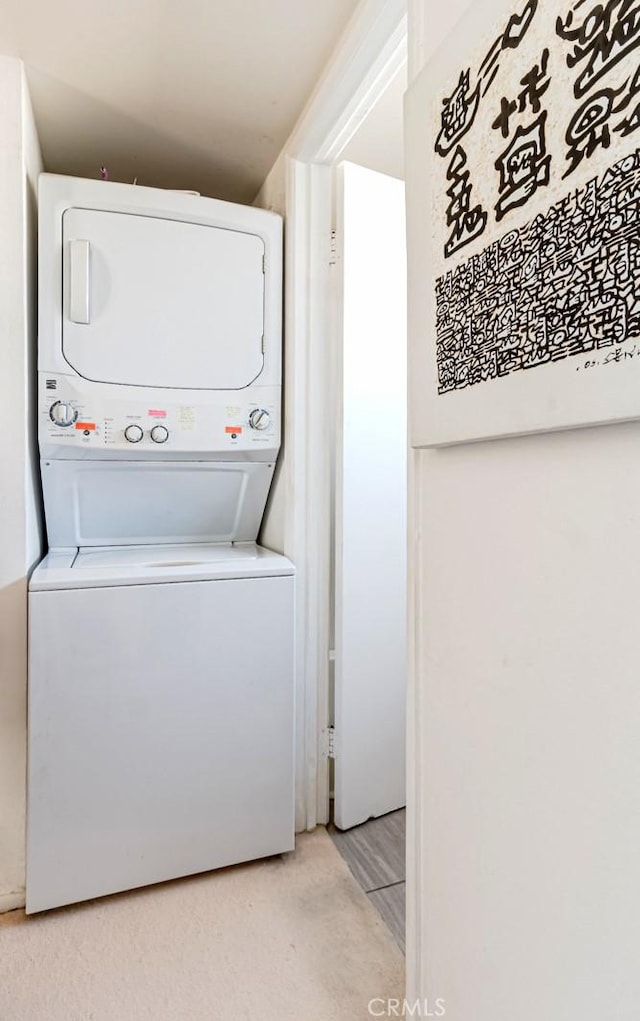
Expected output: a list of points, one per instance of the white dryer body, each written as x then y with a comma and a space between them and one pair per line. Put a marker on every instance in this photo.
159, 365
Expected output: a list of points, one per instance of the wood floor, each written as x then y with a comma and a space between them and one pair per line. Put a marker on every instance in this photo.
375, 853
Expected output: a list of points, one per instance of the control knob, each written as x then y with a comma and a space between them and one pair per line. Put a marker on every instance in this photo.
159, 434
259, 419
133, 433
62, 413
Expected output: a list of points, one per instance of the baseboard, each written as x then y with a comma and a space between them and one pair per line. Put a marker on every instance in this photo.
11, 901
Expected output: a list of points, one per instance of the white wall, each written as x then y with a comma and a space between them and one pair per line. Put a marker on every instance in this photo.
526, 699
20, 529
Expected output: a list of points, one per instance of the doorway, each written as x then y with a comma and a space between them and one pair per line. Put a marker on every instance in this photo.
367, 692
357, 81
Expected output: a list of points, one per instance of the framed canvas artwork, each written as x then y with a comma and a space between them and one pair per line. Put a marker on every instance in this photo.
523, 193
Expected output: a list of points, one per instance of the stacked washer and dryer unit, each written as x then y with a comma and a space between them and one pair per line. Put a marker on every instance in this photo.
161, 636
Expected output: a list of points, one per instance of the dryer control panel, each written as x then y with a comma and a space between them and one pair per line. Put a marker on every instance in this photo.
82, 421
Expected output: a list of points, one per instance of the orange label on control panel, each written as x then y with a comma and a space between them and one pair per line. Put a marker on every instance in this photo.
155, 413
233, 429
90, 426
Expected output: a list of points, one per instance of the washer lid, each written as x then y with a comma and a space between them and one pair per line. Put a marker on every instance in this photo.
162, 557
113, 567
161, 303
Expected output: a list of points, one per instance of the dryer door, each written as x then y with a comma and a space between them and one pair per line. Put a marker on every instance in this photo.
161, 303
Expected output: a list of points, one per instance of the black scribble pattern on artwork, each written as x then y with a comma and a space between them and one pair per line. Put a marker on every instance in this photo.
566, 283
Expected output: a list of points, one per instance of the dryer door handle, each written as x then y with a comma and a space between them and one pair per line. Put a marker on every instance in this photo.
79, 281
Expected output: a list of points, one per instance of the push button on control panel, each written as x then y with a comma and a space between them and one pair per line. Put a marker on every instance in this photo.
159, 434
133, 433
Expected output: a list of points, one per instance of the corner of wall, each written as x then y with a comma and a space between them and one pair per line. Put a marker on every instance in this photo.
272, 196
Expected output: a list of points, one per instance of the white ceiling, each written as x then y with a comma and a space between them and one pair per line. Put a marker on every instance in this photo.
200, 94
379, 142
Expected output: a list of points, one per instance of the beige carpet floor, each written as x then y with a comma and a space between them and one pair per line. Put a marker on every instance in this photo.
287, 939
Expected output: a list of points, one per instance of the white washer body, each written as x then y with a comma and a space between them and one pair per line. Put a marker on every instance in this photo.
161, 638
160, 716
